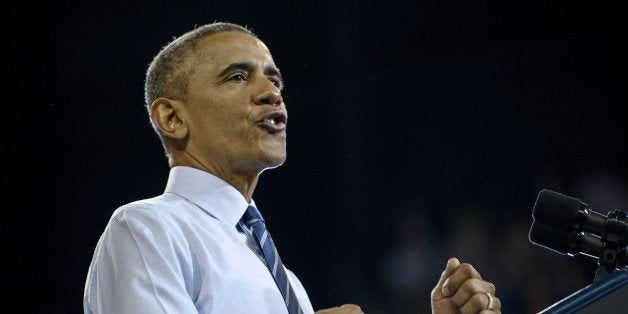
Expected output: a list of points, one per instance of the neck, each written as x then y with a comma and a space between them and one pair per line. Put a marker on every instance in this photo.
244, 184
243, 181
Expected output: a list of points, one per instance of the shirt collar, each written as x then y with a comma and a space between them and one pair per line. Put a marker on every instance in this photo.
215, 196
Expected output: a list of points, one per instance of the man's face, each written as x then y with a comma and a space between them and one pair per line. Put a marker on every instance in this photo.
234, 109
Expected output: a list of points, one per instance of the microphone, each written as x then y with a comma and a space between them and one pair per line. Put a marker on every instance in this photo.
566, 213
568, 226
571, 243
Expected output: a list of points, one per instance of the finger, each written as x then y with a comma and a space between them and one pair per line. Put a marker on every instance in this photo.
351, 308
462, 273
471, 287
452, 264
482, 303
343, 309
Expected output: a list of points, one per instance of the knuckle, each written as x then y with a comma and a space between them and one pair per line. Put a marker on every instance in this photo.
478, 299
474, 285
469, 270
492, 287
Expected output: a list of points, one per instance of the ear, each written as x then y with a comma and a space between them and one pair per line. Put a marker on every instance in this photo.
166, 114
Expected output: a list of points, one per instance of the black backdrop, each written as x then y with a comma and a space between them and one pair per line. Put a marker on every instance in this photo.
463, 110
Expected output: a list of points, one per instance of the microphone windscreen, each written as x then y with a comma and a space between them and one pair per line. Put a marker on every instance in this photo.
556, 209
549, 237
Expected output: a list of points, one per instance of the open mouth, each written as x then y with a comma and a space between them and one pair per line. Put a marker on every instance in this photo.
274, 122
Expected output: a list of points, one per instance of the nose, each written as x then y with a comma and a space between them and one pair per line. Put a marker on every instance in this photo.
269, 94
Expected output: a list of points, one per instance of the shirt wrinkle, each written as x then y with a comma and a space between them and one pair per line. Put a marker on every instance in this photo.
195, 261
146, 268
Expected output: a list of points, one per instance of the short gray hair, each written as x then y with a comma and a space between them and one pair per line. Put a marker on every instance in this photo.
168, 73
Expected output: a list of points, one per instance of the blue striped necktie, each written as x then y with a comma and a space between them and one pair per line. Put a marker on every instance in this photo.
254, 221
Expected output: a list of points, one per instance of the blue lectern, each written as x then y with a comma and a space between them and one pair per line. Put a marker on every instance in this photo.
608, 295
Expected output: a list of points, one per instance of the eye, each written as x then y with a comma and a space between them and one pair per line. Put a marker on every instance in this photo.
237, 77
277, 82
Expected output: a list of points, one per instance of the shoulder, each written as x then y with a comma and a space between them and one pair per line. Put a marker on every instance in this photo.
166, 212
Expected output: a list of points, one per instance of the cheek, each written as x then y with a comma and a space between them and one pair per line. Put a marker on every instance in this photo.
225, 110
233, 106
223, 113
233, 125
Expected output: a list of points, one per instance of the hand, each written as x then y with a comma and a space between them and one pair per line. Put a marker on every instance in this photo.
343, 309
462, 290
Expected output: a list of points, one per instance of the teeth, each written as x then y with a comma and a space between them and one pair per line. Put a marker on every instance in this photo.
271, 120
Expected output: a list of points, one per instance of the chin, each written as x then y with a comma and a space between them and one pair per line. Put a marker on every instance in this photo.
276, 162
271, 155
273, 161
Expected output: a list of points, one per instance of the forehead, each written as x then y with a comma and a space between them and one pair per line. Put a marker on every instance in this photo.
221, 49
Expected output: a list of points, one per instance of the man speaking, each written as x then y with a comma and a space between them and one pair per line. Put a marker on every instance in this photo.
214, 99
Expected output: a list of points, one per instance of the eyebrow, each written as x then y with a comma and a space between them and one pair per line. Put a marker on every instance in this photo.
249, 67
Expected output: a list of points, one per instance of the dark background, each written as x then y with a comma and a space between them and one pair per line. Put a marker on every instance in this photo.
419, 130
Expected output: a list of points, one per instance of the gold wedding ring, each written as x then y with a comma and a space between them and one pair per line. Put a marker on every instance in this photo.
489, 305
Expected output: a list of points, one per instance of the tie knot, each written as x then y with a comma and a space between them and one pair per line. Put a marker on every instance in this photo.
251, 216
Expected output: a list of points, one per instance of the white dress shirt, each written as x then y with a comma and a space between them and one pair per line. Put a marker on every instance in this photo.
183, 252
